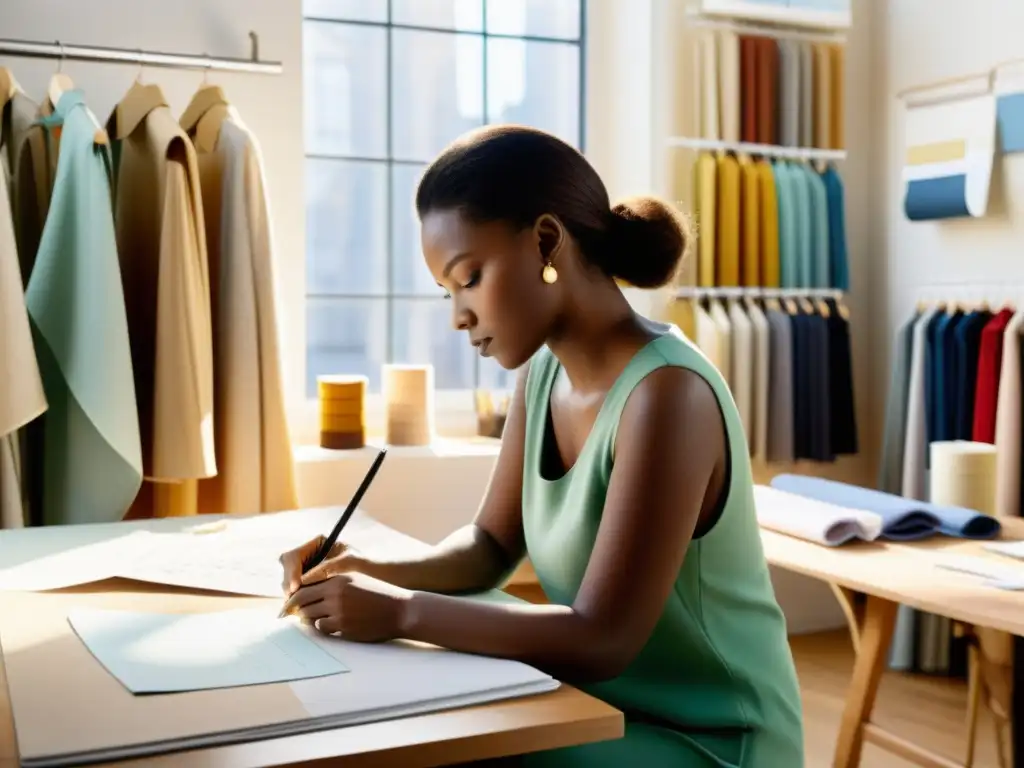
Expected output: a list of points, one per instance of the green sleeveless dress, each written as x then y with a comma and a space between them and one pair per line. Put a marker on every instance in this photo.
715, 684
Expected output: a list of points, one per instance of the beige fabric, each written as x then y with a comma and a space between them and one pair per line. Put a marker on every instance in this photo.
724, 330
761, 354
31, 166
707, 335
255, 466
709, 109
823, 85
162, 247
21, 388
729, 85
742, 355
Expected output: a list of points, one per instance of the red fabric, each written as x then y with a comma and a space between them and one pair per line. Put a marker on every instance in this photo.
986, 389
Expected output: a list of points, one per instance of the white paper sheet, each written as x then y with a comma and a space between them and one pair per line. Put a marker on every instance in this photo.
166, 652
813, 520
995, 574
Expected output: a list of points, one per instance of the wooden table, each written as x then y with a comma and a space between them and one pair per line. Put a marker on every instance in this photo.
889, 574
564, 717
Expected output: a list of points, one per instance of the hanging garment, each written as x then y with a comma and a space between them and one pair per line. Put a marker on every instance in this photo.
789, 242
914, 480
967, 344
838, 99
709, 110
729, 85
21, 389
986, 391
727, 214
92, 462
780, 396
31, 164
843, 435
823, 84
890, 474
682, 314
161, 239
839, 270
707, 335
807, 101
742, 366
750, 257
768, 206
1008, 423
724, 329
820, 236
761, 337
789, 97
931, 368
946, 376
767, 90
805, 240
748, 88
706, 192
255, 467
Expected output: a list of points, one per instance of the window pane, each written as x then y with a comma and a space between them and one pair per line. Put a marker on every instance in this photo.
423, 334
466, 15
355, 10
494, 377
539, 18
345, 83
345, 336
437, 90
409, 273
346, 227
535, 84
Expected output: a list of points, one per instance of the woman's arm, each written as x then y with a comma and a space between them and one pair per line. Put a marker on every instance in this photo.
671, 436
477, 556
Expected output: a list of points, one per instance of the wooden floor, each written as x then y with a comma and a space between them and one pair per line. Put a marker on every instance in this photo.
928, 710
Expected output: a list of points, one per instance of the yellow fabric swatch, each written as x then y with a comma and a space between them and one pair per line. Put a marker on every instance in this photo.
937, 152
727, 266
823, 92
750, 265
706, 202
769, 230
681, 314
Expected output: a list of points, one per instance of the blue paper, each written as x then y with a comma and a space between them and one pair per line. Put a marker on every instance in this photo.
944, 197
902, 519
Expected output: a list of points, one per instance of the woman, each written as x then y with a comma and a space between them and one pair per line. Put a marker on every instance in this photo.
623, 475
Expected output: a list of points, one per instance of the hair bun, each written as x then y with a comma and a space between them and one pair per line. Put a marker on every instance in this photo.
649, 239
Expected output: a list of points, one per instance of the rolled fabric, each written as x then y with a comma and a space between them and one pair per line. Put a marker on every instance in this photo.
813, 520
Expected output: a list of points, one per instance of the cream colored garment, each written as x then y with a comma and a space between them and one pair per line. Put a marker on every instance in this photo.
161, 239
915, 442
707, 53
21, 389
823, 83
1008, 422
761, 355
724, 329
707, 335
729, 85
255, 467
742, 355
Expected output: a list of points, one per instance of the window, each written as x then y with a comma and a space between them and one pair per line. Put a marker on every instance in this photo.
388, 83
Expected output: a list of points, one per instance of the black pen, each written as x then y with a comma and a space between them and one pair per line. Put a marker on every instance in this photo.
328, 543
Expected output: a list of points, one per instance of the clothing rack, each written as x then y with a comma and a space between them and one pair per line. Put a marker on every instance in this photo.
764, 150
63, 51
695, 292
696, 20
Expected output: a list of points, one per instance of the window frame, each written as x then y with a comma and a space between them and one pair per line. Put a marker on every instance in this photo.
455, 414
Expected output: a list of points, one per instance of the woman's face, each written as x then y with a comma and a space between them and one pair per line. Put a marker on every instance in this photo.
492, 275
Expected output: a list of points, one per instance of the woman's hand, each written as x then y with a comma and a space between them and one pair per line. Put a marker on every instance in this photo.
358, 607
340, 560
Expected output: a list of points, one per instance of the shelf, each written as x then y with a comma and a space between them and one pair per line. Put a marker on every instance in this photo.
765, 150
723, 292
812, 18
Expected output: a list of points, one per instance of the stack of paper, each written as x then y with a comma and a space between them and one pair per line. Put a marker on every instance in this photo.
813, 520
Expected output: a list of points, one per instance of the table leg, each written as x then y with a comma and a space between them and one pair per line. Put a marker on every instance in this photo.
877, 625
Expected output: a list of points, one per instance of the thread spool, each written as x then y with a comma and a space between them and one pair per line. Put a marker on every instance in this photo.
409, 403
342, 411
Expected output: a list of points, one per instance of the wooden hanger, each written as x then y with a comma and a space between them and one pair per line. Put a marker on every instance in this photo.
8, 86
806, 306
133, 108
791, 306
822, 306
773, 304
203, 100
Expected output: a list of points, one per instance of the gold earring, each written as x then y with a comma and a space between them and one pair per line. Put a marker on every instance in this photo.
549, 274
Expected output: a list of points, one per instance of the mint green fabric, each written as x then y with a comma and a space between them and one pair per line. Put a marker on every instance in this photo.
789, 247
718, 664
92, 460
801, 185
821, 261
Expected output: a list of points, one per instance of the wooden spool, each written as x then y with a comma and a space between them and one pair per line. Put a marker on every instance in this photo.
342, 411
409, 404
